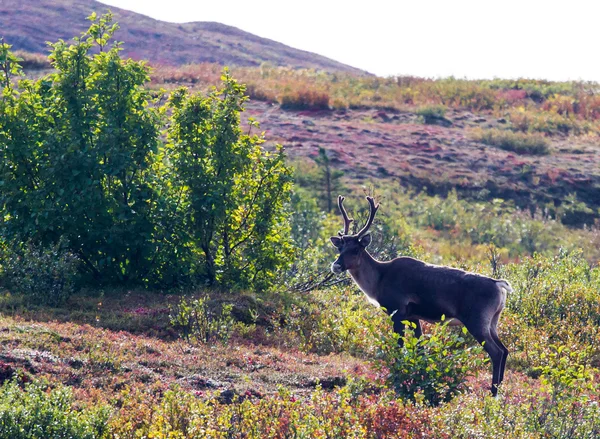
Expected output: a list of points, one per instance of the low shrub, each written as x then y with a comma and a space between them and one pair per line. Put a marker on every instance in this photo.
433, 368
335, 320
323, 415
45, 276
38, 412
521, 143
433, 114
196, 321
564, 288
527, 413
305, 99
530, 120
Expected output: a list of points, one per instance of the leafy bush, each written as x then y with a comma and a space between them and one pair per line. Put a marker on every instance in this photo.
83, 158
324, 415
334, 320
521, 143
553, 289
46, 276
37, 412
552, 296
477, 223
528, 413
232, 194
433, 368
195, 321
76, 158
433, 114
564, 370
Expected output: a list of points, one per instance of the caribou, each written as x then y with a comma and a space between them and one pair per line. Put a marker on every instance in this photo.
412, 290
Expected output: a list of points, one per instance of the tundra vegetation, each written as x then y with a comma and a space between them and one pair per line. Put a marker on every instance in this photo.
165, 274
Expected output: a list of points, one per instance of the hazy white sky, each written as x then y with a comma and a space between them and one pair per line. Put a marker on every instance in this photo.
549, 39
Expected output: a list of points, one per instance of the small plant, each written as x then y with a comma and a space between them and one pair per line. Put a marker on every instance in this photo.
433, 368
433, 115
564, 369
44, 276
521, 143
195, 321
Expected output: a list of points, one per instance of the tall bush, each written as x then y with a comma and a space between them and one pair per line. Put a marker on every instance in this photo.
76, 156
83, 158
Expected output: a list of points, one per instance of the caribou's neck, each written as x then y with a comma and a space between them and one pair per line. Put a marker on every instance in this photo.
366, 275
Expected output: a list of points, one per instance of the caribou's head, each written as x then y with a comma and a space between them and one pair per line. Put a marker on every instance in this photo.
351, 247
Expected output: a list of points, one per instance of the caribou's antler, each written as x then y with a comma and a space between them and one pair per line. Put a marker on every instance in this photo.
372, 211
347, 220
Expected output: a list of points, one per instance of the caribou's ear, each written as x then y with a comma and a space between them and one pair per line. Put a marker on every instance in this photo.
336, 241
365, 240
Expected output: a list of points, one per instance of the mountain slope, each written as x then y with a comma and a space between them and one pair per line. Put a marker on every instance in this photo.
29, 25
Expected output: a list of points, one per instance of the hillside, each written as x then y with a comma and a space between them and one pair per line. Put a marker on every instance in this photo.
374, 130
373, 144
29, 25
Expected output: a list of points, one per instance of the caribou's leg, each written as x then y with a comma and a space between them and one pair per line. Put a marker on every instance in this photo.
400, 327
494, 332
481, 331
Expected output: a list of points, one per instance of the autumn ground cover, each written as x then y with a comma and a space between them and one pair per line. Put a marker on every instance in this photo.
308, 368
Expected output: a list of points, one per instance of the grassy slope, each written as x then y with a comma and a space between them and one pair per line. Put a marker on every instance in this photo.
29, 25
370, 144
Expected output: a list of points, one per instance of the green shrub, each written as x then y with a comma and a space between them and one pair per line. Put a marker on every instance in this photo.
83, 158
433, 114
232, 193
565, 370
196, 321
521, 143
77, 150
45, 276
334, 320
528, 413
37, 412
564, 288
433, 368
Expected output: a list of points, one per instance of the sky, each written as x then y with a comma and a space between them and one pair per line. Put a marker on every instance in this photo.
555, 40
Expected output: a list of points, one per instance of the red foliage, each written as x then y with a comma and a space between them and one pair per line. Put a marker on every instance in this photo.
394, 419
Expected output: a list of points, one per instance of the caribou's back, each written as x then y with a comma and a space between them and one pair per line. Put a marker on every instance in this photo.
436, 290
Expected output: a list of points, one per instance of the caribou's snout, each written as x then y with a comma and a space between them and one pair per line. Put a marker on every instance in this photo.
336, 268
